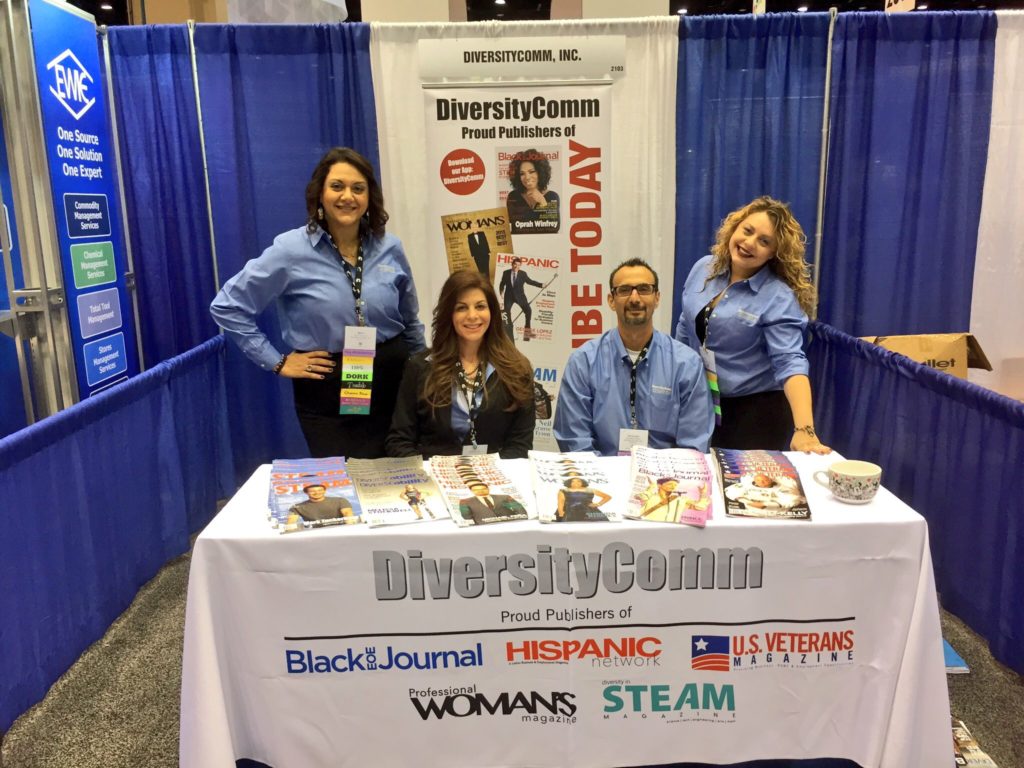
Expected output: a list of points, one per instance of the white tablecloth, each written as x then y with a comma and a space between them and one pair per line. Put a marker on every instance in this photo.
300, 651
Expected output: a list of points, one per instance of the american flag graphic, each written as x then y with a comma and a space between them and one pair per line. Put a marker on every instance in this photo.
710, 653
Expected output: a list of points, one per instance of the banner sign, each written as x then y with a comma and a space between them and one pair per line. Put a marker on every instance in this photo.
522, 58
12, 415
530, 161
79, 152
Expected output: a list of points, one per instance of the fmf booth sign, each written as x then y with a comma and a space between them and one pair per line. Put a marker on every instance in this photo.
79, 152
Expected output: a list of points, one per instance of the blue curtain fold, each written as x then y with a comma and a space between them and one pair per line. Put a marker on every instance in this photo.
275, 98
951, 450
911, 105
749, 105
98, 498
162, 166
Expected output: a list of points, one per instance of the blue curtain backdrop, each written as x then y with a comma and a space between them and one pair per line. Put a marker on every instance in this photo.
100, 497
911, 103
274, 99
949, 449
163, 179
748, 122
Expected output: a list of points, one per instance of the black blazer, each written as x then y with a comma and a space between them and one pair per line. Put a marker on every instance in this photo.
415, 431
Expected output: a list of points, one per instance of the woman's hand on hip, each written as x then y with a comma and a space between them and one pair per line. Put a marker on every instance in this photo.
307, 365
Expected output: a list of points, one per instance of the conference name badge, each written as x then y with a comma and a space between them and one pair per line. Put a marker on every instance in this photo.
357, 370
630, 437
474, 450
711, 374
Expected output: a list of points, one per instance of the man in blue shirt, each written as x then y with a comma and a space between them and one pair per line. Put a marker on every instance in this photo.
633, 384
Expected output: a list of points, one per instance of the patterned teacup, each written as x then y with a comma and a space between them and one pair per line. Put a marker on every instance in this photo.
854, 482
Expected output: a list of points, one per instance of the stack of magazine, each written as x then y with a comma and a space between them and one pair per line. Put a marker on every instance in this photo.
575, 488
670, 485
760, 484
311, 493
476, 491
395, 491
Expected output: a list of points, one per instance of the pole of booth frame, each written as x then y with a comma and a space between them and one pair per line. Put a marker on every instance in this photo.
202, 148
131, 283
823, 163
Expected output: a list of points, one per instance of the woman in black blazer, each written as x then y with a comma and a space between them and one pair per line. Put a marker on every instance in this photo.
472, 391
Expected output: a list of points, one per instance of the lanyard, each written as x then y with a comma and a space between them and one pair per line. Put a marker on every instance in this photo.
355, 277
469, 390
632, 384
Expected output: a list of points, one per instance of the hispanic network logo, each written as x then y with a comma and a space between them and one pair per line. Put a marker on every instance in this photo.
771, 650
528, 706
599, 652
71, 83
300, 662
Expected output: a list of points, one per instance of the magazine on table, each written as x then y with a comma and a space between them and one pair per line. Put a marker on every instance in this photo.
575, 488
476, 490
670, 485
760, 484
311, 493
396, 491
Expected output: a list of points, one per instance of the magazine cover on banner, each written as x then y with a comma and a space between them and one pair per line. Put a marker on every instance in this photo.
518, 176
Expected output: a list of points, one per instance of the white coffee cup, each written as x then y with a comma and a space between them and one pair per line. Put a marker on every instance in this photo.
851, 481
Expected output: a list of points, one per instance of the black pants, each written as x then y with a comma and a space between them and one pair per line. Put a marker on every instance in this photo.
762, 421
327, 432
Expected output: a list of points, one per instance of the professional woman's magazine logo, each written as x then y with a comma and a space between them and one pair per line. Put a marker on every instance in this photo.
387, 659
771, 650
541, 707
597, 652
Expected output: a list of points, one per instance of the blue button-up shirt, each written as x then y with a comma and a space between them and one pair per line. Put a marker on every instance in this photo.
673, 402
302, 272
756, 331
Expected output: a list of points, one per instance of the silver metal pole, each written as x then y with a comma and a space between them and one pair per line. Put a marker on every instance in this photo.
823, 165
130, 278
202, 147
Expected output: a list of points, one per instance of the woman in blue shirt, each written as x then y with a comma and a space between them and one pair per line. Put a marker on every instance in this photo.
338, 271
745, 310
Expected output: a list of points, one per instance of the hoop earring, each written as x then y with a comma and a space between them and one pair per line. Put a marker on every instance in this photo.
320, 213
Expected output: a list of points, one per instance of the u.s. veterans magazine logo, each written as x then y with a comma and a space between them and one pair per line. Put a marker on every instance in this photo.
772, 650
710, 653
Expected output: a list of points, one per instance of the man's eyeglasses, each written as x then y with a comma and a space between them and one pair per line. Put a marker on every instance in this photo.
624, 291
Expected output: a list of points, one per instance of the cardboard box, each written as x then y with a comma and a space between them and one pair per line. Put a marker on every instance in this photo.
950, 352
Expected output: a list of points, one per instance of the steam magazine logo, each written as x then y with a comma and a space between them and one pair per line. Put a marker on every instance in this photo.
671, 702
305, 661
772, 650
597, 652
541, 707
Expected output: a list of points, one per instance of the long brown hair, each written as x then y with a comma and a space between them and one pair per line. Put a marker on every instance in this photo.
788, 262
512, 367
375, 217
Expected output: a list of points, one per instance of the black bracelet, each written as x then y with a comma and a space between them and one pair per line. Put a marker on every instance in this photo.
280, 364
809, 430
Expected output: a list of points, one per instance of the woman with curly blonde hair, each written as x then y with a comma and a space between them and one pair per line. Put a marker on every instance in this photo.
745, 309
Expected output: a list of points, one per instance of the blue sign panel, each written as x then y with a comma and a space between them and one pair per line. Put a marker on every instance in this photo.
12, 413
80, 153
104, 358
